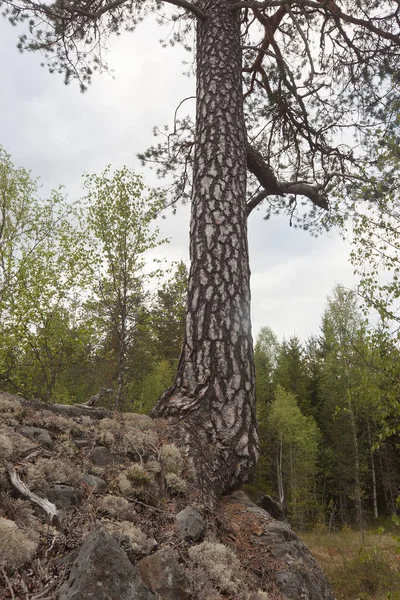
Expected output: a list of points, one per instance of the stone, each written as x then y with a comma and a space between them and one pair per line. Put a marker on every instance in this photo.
102, 571
83, 442
63, 496
290, 584
292, 567
101, 457
96, 484
39, 435
191, 525
272, 507
164, 575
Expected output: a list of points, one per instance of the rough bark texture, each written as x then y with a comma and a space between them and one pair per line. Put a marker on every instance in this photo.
213, 394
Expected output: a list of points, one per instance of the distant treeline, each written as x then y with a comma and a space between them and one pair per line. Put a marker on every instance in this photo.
328, 414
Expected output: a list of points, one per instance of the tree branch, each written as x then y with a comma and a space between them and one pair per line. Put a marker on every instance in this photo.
330, 7
116, 3
272, 187
49, 508
190, 7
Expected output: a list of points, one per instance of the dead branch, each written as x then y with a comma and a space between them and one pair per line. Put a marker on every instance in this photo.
71, 410
49, 508
272, 187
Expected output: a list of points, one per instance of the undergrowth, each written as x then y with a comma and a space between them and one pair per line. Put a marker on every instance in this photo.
357, 569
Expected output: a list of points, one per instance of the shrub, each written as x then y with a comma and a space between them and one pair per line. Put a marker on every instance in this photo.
366, 576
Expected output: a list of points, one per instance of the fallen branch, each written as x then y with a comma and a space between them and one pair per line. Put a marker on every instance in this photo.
71, 410
49, 508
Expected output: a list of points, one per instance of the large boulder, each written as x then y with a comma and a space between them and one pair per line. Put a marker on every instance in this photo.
277, 550
164, 575
102, 571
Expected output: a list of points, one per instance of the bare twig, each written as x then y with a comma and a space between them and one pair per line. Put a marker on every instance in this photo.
49, 508
8, 583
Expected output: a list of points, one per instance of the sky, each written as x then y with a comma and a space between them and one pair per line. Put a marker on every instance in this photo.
59, 133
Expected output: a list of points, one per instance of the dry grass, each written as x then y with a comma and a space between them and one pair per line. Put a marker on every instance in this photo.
358, 570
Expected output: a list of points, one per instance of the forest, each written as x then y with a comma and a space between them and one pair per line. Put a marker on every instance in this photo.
88, 305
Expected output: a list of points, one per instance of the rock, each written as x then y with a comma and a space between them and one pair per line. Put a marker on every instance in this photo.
101, 457
97, 484
102, 571
272, 507
285, 556
191, 525
39, 435
83, 442
164, 575
63, 496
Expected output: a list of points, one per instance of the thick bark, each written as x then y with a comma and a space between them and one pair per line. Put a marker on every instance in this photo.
213, 394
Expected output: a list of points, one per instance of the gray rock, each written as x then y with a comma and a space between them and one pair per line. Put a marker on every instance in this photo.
63, 496
39, 435
191, 525
292, 585
295, 572
83, 442
164, 575
272, 507
102, 571
97, 484
101, 457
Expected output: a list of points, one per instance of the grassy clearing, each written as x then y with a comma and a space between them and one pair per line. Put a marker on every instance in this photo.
357, 570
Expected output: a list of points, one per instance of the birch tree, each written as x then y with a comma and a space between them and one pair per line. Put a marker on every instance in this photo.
121, 213
279, 85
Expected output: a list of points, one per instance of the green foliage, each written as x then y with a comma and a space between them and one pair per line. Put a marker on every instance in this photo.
265, 358
357, 569
43, 266
375, 227
121, 214
368, 575
291, 372
168, 315
295, 438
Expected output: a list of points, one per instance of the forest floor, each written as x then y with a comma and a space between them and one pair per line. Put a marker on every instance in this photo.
358, 569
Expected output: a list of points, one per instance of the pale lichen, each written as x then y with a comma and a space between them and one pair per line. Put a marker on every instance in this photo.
17, 546
171, 459
175, 483
139, 542
125, 438
138, 475
116, 507
53, 470
219, 563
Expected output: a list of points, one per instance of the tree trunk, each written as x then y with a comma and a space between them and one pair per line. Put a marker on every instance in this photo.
373, 474
357, 482
213, 394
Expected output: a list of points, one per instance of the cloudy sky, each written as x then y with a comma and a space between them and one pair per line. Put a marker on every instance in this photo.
59, 133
